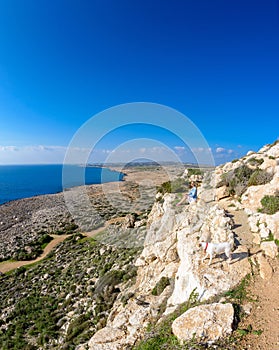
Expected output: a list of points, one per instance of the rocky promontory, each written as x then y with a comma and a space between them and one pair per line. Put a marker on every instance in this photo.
142, 283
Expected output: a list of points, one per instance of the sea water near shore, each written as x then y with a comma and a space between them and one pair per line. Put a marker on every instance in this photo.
23, 181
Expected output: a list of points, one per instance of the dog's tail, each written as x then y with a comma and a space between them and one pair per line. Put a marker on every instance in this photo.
231, 240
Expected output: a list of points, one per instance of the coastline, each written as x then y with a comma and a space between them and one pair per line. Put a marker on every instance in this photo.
23, 221
26, 181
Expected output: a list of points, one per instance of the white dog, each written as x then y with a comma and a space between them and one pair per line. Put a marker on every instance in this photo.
213, 249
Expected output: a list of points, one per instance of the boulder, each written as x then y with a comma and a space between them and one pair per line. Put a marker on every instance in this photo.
221, 192
207, 322
270, 249
265, 268
106, 339
129, 221
264, 231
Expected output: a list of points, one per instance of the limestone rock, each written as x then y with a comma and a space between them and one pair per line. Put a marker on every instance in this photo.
208, 322
106, 339
270, 249
257, 239
272, 223
265, 268
253, 221
264, 231
221, 192
129, 221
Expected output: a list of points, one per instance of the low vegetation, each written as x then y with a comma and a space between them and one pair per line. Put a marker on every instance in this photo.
238, 180
270, 204
159, 335
34, 249
176, 186
195, 171
259, 177
160, 286
68, 296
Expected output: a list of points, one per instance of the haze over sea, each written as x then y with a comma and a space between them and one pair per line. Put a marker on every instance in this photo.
23, 181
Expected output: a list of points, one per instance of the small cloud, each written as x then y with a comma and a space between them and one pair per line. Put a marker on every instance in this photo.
220, 150
179, 148
9, 148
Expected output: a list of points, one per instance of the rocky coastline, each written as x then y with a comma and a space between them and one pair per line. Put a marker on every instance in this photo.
141, 282
24, 222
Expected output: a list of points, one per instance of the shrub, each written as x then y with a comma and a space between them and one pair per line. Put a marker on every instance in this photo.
160, 336
236, 180
255, 161
172, 186
194, 171
270, 204
239, 179
165, 187
160, 286
259, 177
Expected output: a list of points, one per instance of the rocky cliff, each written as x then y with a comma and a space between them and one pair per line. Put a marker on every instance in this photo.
172, 260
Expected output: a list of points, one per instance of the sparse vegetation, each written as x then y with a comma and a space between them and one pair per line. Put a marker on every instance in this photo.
174, 186
236, 180
160, 336
34, 249
239, 179
194, 171
255, 161
259, 177
160, 286
36, 299
270, 204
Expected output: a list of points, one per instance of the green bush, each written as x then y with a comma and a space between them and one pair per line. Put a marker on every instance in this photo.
160, 286
255, 161
194, 171
236, 180
175, 186
270, 204
259, 177
159, 336
239, 179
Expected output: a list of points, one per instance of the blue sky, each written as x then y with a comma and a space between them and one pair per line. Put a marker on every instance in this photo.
62, 62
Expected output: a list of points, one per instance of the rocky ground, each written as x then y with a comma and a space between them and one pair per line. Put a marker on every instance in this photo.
25, 222
141, 283
262, 312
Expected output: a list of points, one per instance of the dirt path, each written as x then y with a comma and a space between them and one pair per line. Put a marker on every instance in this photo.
7, 266
263, 321
241, 227
264, 317
11, 265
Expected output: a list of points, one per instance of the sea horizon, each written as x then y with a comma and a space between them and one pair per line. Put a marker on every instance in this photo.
19, 181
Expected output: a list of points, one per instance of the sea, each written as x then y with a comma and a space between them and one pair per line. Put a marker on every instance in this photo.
23, 181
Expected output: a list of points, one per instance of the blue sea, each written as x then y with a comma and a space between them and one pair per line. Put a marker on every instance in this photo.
23, 181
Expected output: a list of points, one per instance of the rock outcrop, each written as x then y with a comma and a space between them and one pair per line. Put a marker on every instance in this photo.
205, 322
171, 252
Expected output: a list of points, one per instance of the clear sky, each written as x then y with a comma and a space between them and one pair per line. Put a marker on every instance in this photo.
63, 61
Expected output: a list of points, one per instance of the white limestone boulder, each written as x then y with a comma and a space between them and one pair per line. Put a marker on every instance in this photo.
207, 322
270, 249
